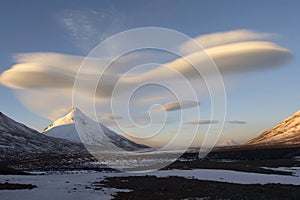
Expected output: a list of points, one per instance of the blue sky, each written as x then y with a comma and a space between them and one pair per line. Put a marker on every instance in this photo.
261, 98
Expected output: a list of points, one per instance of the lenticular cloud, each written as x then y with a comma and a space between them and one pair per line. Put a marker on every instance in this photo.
47, 76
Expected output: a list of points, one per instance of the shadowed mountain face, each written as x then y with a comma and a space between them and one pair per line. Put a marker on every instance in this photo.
77, 127
286, 132
16, 138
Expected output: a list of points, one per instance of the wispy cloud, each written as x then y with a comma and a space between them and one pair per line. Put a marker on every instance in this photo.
197, 122
89, 27
237, 122
176, 105
138, 124
152, 99
111, 117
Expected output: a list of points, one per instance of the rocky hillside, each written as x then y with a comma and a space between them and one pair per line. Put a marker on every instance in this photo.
286, 132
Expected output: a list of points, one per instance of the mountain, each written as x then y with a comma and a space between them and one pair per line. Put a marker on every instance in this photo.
228, 143
286, 132
16, 139
92, 132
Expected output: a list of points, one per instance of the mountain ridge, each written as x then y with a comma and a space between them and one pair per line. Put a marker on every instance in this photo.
66, 119
286, 132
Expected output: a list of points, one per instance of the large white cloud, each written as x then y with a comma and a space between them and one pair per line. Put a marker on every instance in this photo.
222, 38
47, 77
229, 58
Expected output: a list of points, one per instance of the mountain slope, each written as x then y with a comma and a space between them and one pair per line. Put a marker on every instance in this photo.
16, 138
91, 132
286, 132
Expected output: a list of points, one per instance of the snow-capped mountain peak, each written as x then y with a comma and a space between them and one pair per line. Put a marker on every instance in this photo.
69, 118
287, 132
228, 143
77, 127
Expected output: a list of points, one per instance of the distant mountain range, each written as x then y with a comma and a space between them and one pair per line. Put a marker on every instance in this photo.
285, 133
91, 132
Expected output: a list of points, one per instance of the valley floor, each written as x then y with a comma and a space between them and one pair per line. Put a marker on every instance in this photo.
231, 174
163, 184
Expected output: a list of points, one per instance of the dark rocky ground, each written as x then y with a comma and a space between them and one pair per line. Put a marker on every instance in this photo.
243, 166
16, 186
246, 159
7, 170
243, 158
151, 187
